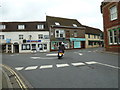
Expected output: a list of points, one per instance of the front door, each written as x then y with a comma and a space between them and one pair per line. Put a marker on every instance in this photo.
16, 48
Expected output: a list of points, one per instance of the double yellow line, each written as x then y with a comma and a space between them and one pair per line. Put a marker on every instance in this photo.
19, 81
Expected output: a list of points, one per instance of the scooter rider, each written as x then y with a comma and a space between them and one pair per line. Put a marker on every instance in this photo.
62, 47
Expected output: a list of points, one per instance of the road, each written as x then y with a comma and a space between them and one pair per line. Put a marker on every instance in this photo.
85, 68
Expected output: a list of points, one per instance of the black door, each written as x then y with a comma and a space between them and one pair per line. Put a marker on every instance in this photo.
16, 48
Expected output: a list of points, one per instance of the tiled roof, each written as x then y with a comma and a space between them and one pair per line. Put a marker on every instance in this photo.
62, 21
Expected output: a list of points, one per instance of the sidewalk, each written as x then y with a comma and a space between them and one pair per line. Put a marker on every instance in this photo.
9, 79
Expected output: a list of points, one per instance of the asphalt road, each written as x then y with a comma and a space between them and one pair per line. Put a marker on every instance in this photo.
85, 68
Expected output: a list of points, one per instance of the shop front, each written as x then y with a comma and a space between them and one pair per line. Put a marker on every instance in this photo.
77, 43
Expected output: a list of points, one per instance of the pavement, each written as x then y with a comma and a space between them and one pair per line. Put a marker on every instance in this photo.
10, 79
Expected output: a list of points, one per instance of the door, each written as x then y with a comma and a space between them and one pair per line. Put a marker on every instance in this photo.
83, 44
16, 48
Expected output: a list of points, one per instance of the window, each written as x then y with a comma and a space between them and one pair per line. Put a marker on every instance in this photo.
110, 37
2, 37
46, 36
25, 46
75, 25
33, 46
20, 36
75, 34
45, 46
115, 36
21, 26
119, 35
88, 35
113, 13
2, 27
40, 36
56, 23
59, 33
40, 26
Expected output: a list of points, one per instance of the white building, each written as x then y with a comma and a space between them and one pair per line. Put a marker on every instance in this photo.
24, 37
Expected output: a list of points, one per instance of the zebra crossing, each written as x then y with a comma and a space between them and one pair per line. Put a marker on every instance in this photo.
62, 65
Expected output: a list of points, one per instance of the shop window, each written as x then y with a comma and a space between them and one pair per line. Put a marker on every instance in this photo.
110, 37
33, 46
45, 46
40, 46
25, 46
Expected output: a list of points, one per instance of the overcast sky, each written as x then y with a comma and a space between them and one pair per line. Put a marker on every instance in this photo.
87, 12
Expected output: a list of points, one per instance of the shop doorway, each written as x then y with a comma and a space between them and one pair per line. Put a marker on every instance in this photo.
16, 48
83, 44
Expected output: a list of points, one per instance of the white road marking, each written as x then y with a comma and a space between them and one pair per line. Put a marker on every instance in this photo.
62, 65
91, 62
35, 57
77, 64
31, 68
19, 68
11, 55
48, 58
109, 65
54, 54
80, 54
46, 66
89, 51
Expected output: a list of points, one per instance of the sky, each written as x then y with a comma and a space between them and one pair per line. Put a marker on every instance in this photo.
87, 12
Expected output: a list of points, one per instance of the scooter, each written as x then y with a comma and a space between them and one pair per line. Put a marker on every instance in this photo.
60, 54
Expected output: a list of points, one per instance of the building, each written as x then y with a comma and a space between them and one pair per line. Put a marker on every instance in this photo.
94, 37
111, 19
69, 31
24, 37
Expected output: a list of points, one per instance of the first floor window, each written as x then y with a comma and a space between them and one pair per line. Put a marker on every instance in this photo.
59, 33
40, 36
20, 36
25, 46
2, 37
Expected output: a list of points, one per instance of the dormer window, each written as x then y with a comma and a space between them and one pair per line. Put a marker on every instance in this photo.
41, 26
2, 27
75, 25
21, 26
56, 23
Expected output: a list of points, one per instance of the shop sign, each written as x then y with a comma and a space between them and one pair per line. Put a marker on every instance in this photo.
33, 40
8, 40
77, 39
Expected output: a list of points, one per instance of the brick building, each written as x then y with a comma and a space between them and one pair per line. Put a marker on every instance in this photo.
111, 21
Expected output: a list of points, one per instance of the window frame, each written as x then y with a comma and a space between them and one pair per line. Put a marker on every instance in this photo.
40, 26
40, 36
2, 27
112, 13
21, 27
26, 47
21, 36
2, 37
58, 35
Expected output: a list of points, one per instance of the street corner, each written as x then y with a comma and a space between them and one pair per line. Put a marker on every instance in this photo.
12, 79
